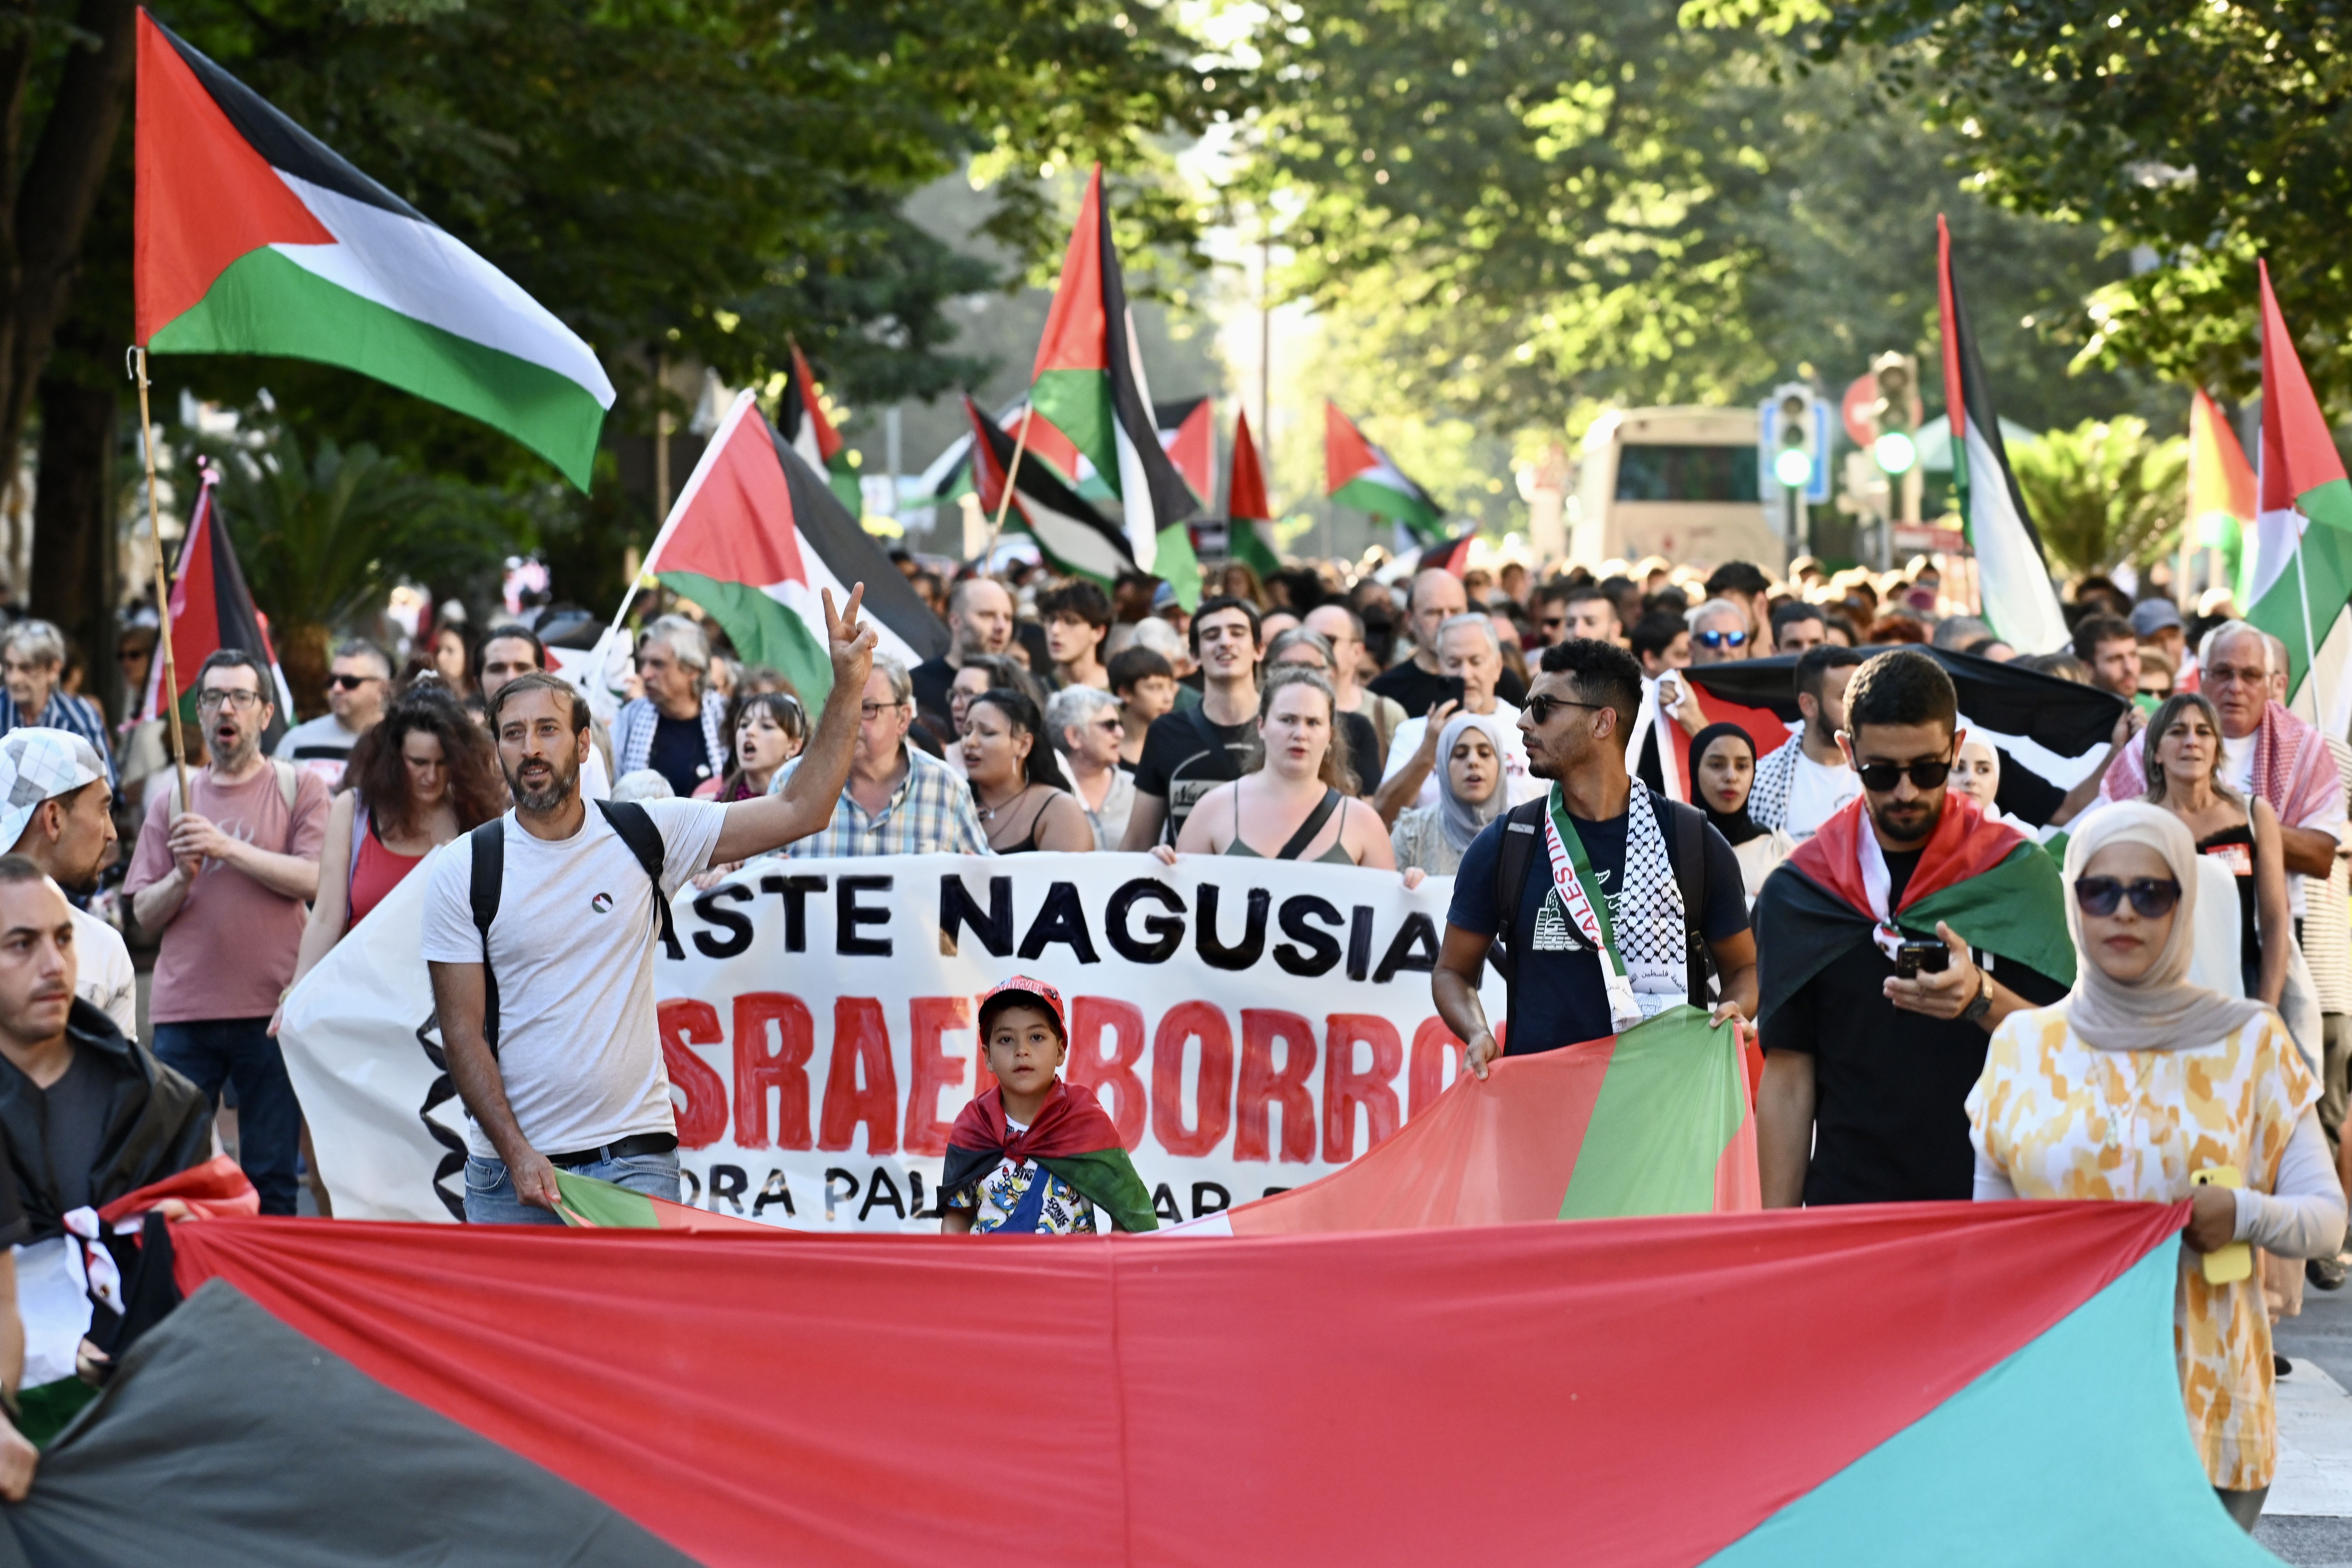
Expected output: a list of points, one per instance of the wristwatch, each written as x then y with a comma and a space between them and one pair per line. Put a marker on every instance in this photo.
1974, 1013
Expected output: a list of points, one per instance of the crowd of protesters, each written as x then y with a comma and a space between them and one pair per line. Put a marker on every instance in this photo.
1539, 738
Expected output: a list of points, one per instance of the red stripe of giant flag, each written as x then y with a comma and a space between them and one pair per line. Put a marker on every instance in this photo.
1976, 1382
1655, 1120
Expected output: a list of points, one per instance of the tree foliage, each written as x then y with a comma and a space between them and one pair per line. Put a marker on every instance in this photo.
2105, 493
2204, 132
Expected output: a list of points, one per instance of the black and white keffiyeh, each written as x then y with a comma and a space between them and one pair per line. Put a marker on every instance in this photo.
1776, 772
1645, 913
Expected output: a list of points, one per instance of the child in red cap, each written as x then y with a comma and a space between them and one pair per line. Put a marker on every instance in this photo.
1028, 1157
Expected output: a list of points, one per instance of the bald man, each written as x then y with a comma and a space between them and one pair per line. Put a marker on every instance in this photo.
980, 620
1416, 683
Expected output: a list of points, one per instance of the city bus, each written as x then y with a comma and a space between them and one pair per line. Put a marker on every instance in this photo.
1676, 482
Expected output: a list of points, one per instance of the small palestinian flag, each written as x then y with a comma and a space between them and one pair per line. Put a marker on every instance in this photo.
255, 238
211, 609
1071, 1137
1188, 433
1088, 383
1996, 888
2299, 575
590, 1204
803, 421
2019, 601
753, 539
1248, 516
1447, 554
1076, 537
2222, 504
1357, 474
1652, 1121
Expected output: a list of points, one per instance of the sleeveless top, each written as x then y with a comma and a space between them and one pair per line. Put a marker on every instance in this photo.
2241, 862
1028, 844
375, 871
1336, 856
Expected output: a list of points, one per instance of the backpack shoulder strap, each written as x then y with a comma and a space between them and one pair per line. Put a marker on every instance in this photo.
636, 827
1689, 829
1522, 832
289, 783
489, 850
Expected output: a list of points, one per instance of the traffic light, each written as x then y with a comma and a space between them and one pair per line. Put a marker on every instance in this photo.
1790, 428
1894, 411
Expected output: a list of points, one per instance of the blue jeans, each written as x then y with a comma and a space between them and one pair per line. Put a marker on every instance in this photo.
490, 1193
214, 1051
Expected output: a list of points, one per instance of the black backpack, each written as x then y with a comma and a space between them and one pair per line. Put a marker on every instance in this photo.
1523, 828
636, 827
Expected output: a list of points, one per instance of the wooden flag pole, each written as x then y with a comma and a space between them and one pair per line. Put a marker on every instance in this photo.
1011, 474
168, 692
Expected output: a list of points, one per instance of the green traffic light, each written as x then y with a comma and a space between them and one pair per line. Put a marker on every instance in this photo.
1895, 452
1794, 468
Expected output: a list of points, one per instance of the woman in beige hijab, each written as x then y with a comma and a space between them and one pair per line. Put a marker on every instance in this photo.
2141, 1079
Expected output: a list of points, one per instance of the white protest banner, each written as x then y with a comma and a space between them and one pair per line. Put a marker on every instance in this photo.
1248, 1025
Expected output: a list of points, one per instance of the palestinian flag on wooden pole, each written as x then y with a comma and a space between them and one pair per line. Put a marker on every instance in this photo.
756, 535
1247, 514
211, 609
2222, 495
1357, 474
2013, 577
803, 420
2299, 575
255, 238
1088, 383
1652, 1121
1076, 537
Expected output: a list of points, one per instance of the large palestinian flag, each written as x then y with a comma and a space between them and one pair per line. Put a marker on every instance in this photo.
1995, 886
1070, 1136
1655, 1120
756, 535
2221, 494
1357, 474
1942, 1384
1248, 515
255, 237
211, 609
1088, 383
2019, 600
2299, 574
1076, 539
803, 420
1188, 433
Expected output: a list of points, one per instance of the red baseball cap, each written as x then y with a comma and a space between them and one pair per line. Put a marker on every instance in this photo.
1021, 989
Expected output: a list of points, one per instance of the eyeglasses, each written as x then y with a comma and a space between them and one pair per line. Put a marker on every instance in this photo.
1539, 708
213, 701
350, 682
1109, 724
873, 710
1720, 639
1880, 777
2151, 896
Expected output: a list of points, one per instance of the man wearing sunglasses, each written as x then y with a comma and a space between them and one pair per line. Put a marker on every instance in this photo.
1720, 633
357, 683
1870, 1046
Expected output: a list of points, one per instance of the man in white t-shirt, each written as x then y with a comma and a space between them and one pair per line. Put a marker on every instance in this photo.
576, 1077
57, 811
1806, 780
1468, 650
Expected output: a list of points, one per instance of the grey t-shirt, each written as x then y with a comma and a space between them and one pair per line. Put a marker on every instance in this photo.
573, 947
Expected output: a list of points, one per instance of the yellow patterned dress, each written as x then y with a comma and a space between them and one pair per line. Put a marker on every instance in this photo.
2063, 1120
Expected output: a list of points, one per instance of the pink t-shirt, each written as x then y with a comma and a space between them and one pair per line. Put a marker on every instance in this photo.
229, 951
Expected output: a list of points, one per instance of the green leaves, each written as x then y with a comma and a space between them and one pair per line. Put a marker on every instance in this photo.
2104, 493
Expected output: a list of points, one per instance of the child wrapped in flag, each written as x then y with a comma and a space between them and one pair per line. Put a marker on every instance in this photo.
1028, 1157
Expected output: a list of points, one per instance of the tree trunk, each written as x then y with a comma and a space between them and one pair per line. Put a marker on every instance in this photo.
302, 653
75, 552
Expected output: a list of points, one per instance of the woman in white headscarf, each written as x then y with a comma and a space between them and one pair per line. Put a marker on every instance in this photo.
2139, 1079
1470, 794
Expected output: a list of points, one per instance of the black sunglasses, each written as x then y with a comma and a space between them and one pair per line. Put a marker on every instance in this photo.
2151, 896
1880, 777
350, 682
1539, 708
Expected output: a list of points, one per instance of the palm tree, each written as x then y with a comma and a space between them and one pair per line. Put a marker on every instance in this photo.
324, 537
2105, 493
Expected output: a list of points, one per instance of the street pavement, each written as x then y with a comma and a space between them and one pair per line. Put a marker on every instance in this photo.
2308, 1518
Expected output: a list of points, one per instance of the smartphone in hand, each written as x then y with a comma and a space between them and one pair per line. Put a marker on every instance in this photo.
1449, 690
1913, 959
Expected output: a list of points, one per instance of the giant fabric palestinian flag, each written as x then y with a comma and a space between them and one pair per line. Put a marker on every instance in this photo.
1996, 888
1357, 474
211, 609
2222, 492
802, 420
1088, 383
2299, 575
255, 238
2019, 601
1946, 1385
1652, 1121
754, 537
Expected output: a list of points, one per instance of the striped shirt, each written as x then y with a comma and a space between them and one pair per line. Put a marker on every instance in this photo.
930, 813
77, 715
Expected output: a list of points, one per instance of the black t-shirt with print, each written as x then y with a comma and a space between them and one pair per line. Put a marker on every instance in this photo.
1890, 1087
1185, 756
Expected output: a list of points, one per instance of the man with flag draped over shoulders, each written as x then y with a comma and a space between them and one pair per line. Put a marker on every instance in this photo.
1867, 1068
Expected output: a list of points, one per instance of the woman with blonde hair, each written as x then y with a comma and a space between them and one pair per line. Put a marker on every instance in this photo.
1295, 801
2139, 1082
